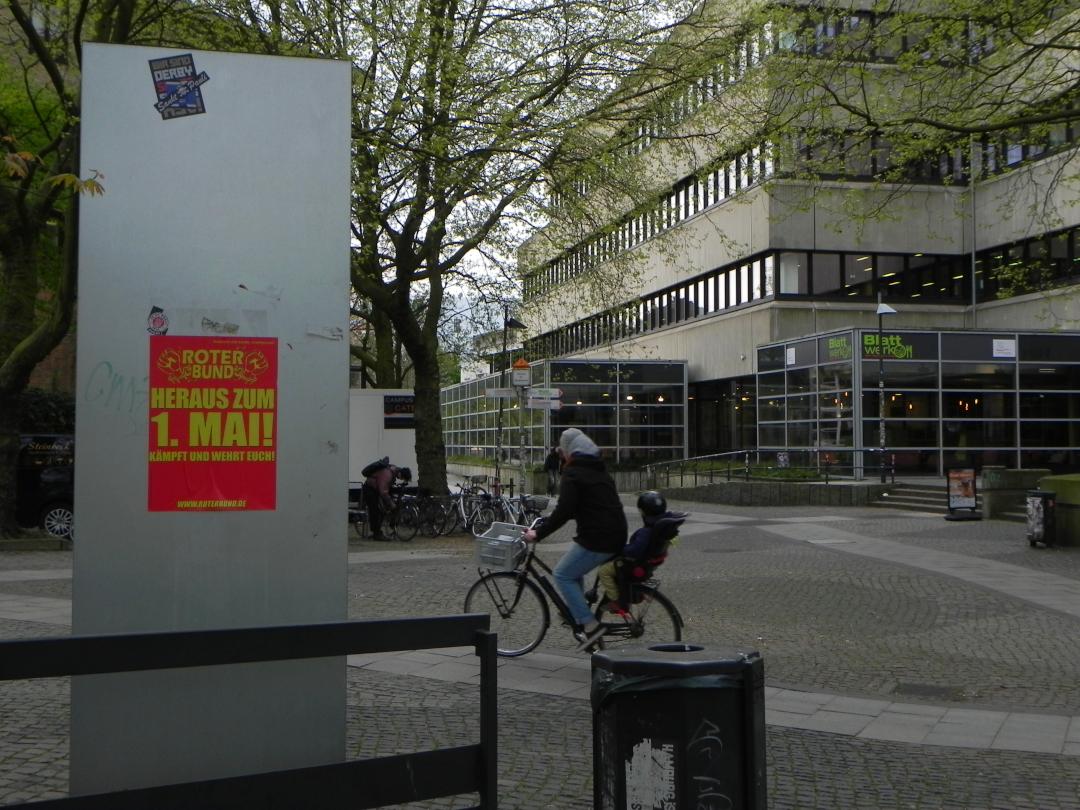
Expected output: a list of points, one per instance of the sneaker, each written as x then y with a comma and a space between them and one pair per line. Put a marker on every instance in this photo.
588, 638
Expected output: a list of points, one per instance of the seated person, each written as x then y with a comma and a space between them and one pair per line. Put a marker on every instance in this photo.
647, 547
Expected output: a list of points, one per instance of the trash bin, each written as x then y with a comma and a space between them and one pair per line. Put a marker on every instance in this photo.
1041, 522
678, 727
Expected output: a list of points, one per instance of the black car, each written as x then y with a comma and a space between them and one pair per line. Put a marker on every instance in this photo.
45, 483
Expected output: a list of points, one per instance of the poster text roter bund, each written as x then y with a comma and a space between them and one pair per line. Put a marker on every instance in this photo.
213, 423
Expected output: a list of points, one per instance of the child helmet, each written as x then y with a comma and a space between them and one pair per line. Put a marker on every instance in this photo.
651, 503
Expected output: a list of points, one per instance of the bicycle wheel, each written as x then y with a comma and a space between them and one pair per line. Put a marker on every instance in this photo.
652, 619
519, 613
452, 519
403, 522
431, 517
481, 519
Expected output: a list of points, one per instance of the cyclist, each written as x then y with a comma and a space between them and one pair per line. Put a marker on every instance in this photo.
587, 494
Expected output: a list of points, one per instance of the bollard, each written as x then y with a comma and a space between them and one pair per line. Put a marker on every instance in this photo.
678, 727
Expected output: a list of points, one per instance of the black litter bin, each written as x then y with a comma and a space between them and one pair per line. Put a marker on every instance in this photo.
678, 727
1041, 521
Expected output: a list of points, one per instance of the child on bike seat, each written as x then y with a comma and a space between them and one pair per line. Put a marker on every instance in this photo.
646, 548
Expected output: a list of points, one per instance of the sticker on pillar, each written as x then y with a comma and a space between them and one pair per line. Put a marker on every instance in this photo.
213, 424
177, 86
157, 323
650, 776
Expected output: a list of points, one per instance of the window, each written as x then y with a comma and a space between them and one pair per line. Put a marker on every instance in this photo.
859, 273
826, 273
794, 273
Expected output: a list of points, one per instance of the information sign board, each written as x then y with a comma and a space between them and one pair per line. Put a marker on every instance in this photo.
545, 393
543, 404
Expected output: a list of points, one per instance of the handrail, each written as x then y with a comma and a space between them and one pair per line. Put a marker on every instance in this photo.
366, 783
701, 471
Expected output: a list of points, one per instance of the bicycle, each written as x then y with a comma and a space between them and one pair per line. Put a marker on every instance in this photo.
516, 597
463, 503
402, 519
521, 509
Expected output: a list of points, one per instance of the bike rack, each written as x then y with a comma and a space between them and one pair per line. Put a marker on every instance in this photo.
364, 783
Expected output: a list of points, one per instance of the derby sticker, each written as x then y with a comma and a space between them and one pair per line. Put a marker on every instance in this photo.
213, 424
177, 86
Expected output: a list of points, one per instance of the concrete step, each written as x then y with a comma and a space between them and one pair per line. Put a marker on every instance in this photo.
917, 498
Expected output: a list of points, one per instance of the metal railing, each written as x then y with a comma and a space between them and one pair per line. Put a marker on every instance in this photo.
365, 783
810, 465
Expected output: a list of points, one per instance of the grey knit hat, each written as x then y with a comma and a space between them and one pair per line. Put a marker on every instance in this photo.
575, 443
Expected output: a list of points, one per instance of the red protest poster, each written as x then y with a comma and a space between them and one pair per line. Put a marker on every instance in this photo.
213, 424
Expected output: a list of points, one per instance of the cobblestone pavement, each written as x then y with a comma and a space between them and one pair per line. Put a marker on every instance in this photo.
823, 618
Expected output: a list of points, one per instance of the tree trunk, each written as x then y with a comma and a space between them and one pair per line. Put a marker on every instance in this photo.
385, 371
430, 448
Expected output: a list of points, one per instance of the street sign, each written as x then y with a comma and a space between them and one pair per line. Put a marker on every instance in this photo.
520, 373
544, 393
543, 404
500, 393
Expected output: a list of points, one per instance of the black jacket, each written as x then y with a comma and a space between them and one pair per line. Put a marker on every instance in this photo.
587, 495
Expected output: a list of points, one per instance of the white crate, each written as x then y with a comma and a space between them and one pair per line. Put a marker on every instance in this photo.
501, 546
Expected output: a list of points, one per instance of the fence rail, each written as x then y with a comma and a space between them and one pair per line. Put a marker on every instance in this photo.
365, 783
748, 465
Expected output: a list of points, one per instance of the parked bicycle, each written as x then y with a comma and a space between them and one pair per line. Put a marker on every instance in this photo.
520, 509
402, 519
515, 588
463, 504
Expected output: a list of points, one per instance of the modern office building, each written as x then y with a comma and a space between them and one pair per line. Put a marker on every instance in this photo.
767, 284
766, 287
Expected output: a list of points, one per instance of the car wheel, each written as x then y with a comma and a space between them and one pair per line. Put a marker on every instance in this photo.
58, 520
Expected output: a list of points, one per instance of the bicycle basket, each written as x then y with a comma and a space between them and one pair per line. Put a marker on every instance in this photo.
501, 546
537, 502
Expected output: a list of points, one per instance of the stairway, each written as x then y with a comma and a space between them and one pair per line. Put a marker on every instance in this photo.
918, 497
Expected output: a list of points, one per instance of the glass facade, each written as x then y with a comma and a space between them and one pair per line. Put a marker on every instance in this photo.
951, 398
635, 411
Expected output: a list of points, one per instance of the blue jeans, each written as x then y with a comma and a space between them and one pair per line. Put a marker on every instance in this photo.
570, 579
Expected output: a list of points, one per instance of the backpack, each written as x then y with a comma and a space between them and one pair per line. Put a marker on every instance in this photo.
375, 466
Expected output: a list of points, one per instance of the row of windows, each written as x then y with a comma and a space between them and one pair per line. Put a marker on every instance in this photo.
926, 461
715, 291
849, 155
1001, 152
924, 405
863, 35
823, 274
915, 433
1035, 263
576, 415
1031, 264
957, 376
685, 199
986, 354
605, 436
